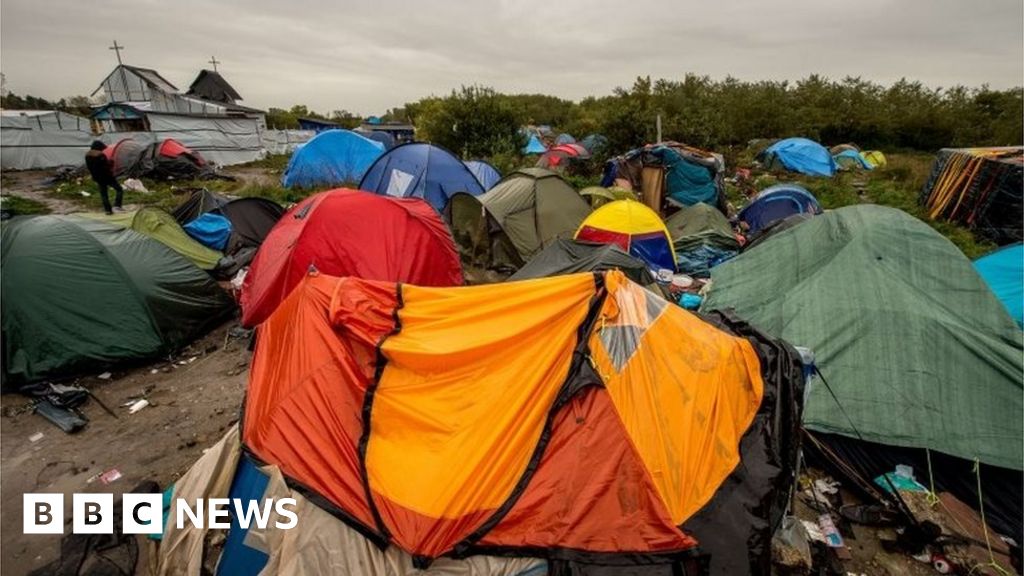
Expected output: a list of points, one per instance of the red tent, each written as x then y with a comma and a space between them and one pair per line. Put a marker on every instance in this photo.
350, 233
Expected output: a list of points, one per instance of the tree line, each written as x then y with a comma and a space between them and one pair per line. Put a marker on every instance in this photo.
700, 111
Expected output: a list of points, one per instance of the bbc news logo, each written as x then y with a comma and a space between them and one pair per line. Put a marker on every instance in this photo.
144, 513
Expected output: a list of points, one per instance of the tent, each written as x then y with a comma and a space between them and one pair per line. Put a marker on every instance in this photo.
562, 155
350, 233
917, 349
370, 396
702, 238
331, 158
564, 138
82, 294
198, 203
851, 160
318, 538
419, 170
534, 146
165, 159
594, 143
599, 195
981, 188
159, 225
633, 227
535, 206
1003, 271
839, 148
799, 155
669, 172
485, 173
875, 158
251, 217
481, 241
776, 203
569, 256
380, 136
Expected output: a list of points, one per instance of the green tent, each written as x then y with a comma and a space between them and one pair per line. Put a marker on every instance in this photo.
919, 351
569, 257
599, 195
162, 227
80, 293
701, 224
534, 207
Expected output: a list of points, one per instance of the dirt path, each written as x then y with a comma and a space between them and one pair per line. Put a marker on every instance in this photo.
191, 407
35, 185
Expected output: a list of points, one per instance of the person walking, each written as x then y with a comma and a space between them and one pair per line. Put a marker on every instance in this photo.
102, 171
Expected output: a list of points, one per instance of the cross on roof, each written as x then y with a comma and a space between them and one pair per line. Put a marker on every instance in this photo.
117, 49
213, 60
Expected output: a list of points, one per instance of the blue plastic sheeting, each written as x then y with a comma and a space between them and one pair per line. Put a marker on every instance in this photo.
699, 261
332, 157
801, 155
249, 486
486, 174
1003, 271
776, 203
418, 170
211, 230
534, 146
855, 156
565, 139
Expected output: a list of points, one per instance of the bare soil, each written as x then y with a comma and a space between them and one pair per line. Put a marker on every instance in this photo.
191, 406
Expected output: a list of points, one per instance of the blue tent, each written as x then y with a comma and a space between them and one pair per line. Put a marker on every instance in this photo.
534, 146
851, 158
777, 203
419, 170
800, 155
1003, 271
486, 174
380, 136
565, 138
594, 142
329, 158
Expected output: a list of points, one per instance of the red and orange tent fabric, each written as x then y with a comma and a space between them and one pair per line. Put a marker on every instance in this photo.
350, 233
447, 421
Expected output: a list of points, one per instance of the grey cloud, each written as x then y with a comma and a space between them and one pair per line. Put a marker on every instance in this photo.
369, 56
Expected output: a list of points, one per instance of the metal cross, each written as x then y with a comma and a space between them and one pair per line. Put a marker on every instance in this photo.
213, 60
117, 49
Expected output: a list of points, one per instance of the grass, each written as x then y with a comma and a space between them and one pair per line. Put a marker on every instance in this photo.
22, 206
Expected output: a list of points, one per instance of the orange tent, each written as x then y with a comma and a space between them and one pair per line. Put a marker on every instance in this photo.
448, 421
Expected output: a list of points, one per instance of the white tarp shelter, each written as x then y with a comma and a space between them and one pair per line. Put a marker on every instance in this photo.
42, 139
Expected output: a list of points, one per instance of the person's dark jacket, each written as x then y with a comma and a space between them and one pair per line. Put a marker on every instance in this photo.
99, 166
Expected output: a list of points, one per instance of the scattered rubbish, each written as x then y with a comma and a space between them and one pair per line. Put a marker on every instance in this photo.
813, 531
869, 514
690, 301
35, 437
105, 376
154, 371
110, 475
192, 359
789, 545
67, 419
902, 479
139, 405
135, 185
84, 193
832, 536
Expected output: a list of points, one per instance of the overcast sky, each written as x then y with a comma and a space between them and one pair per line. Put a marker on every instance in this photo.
368, 56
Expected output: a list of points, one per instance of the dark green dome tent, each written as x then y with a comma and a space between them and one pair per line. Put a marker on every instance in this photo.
920, 353
80, 294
